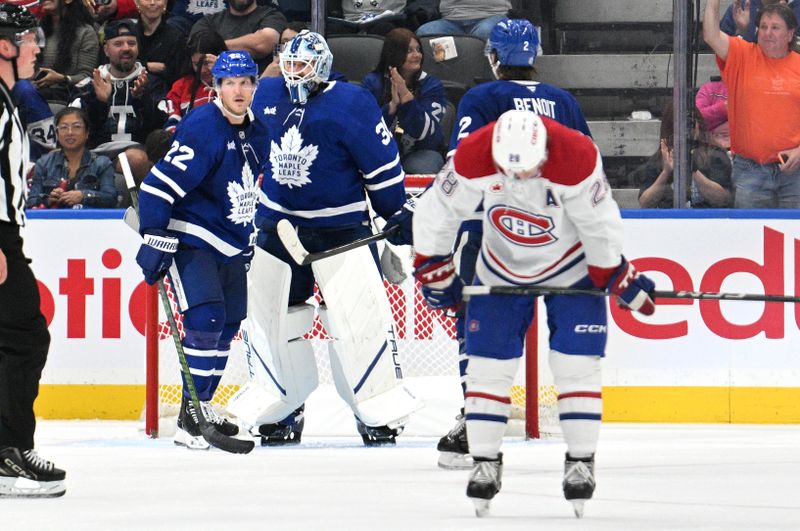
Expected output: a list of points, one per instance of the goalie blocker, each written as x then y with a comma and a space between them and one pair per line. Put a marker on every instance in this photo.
281, 364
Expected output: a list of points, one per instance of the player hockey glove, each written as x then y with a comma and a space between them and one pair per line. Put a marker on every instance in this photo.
633, 289
403, 219
155, 254
441, 286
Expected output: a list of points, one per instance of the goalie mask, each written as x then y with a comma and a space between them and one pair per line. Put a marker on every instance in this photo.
519, 144
305, 63
514, 42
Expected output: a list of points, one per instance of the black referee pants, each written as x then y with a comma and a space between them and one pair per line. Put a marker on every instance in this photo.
24, 342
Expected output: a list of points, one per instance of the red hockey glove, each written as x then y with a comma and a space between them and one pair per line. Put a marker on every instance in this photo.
634, 290
441, 286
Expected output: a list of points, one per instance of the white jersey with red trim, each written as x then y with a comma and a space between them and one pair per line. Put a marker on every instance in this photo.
545, 230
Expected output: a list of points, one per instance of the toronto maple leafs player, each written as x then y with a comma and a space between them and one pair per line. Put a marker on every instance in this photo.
511, 51
330, 150
548, 219
197, 207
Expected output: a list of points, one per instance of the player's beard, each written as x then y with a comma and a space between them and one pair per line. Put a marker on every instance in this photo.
241, 5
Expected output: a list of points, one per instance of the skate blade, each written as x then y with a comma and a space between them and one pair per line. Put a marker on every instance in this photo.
577, 506
26, 488
455, 461
481, 507
182, 438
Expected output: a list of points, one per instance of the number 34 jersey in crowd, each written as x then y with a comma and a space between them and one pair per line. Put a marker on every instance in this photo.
326, 156
205, 188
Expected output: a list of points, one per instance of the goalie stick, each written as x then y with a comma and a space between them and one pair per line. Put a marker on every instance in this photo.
209, 433
471, 291
290, 239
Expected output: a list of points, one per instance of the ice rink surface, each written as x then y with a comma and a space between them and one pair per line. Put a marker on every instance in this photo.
650, 477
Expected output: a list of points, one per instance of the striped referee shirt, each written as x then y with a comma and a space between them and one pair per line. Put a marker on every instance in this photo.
13, 158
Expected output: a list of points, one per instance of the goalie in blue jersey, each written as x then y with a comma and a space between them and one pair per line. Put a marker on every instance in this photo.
197, 207
330, 154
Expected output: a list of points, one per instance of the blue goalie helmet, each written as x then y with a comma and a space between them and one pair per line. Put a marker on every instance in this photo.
234, 63
305, 62
514, 41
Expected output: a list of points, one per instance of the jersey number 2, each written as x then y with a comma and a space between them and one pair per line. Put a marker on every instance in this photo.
185, 153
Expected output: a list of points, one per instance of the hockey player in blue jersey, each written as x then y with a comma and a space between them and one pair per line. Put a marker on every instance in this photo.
37, 117
330, 151
511, 51
197, 207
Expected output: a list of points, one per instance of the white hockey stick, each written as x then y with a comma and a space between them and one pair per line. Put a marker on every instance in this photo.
290, 239
209, 433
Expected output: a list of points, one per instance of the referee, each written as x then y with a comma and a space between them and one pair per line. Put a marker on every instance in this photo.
24, 339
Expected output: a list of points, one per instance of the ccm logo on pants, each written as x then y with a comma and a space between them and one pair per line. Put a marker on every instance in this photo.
590, 329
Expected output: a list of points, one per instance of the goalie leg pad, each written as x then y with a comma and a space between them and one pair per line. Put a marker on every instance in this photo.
578, 381
280, 380
488, 403
387, 402
281, 365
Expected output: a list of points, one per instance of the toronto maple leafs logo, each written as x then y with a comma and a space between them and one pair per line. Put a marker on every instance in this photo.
244, 198
291, 160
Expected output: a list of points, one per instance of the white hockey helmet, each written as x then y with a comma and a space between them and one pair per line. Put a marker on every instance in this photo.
519, 144
305, 62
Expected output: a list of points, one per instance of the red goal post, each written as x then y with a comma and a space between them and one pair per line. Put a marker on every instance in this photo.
426, 340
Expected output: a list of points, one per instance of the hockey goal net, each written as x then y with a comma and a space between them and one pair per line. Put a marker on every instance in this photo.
428, 355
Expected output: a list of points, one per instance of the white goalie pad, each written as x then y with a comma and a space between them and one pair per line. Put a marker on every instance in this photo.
364, 357
281, 365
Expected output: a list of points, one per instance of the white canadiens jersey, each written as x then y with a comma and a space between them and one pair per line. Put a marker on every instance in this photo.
546, 230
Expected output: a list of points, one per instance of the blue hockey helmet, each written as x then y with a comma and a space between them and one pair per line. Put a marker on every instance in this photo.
234, 63
514, 41
305, 62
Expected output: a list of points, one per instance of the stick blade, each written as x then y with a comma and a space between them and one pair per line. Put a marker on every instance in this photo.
291, 241
225, 443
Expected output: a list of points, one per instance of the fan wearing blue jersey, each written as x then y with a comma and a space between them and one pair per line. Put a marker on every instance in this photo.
511, 51
197, 207
331, 152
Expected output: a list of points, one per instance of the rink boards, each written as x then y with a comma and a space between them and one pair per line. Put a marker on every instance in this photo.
693, 361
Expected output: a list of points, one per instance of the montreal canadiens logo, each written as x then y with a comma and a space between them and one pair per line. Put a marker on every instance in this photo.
522, 228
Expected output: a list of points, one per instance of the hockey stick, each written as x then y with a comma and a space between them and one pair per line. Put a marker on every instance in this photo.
209, 433
470, 291
290, 239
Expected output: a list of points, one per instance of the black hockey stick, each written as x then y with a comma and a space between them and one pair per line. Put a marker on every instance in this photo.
470, 291
207, 430
290, 239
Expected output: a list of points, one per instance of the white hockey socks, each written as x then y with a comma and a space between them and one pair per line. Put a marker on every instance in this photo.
580, 404
488, 403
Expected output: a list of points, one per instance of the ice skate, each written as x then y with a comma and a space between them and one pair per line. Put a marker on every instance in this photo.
453, 448
578, 481
378, 435
289, 431
23, 474
484, 482
220, 423
188, 433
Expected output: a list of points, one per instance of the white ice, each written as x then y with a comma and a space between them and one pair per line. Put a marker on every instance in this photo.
650, 477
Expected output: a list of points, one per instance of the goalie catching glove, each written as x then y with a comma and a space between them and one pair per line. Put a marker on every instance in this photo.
633, 290
155, 254
441, 286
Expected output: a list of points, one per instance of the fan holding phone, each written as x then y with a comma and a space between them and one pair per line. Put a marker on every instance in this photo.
71, 49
